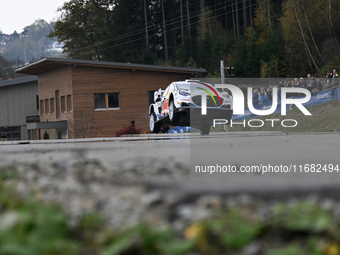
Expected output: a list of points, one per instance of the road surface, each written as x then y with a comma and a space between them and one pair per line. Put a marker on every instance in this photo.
236, 149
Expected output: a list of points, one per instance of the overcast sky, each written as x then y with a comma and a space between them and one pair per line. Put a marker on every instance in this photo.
16, 14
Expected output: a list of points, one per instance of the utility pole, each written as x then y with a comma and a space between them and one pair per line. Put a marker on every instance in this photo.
229, 68
182, 30
237, 20
225, 127
188, 14
25, 51
146, 26
42, 48
222, 72
245, 16
165, 38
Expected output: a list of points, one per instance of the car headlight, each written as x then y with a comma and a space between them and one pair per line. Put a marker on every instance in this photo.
225, 94
184, 92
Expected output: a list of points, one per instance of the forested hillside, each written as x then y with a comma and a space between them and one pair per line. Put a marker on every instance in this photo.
31, 44
259, 38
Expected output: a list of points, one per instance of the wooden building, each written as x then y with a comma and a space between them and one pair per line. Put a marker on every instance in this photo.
84, 98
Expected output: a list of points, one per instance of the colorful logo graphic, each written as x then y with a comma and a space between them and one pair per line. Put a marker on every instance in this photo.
211, 95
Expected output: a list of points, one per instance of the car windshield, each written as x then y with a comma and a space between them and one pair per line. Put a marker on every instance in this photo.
184, 86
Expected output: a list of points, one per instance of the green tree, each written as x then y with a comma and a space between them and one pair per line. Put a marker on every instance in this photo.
6, 70
312, 40
32, 47
38, 32
82, 27
126, 39
24, 49
209, 47
14, 36
104, 30
261, 52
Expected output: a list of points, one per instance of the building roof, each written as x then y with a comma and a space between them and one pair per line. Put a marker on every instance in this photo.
20, 80
48, 64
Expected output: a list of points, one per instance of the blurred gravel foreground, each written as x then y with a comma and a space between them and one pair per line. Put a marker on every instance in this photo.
129, 182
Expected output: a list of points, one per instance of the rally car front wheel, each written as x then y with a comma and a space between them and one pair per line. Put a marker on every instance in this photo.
172, 112
154, 126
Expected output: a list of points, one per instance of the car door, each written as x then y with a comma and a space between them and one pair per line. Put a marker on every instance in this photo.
165, 101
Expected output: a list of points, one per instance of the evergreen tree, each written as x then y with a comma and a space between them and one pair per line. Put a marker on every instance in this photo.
6, 68
267, 38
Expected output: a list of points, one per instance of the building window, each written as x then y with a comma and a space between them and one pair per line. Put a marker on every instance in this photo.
47, 105
69, 103
100, 101
57, 104
63, 104
106, 101
41, 107
52, 111
113, 99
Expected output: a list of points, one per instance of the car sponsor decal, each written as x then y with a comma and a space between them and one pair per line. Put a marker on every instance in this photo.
209, 95
213, 90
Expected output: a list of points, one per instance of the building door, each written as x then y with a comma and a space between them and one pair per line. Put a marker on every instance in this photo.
57, 104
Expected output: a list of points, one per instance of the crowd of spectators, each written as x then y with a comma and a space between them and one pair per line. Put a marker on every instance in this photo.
313, 84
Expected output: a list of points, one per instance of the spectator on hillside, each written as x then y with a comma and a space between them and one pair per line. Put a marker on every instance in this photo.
270, 93
256, 97
328, 80
263, 97
335, 78
311, 85
262, 90
302, 83
291, 84
297, 82
278, 94
318, 85
310, 80
314, 91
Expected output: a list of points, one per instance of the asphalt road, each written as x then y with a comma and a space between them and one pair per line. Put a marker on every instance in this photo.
295, 152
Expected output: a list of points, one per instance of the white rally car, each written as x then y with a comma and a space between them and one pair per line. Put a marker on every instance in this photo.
180, 105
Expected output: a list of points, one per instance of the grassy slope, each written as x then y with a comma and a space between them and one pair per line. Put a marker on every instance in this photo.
325, 118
